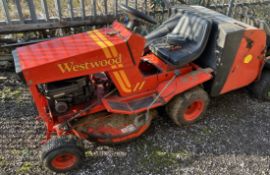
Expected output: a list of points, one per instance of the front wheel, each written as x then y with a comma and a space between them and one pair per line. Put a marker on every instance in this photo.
62, 154
188, 107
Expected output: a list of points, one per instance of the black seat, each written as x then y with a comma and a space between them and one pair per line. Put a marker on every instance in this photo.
186, 42
165, 28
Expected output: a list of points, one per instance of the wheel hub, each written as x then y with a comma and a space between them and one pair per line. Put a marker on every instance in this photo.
64, 161
194, 110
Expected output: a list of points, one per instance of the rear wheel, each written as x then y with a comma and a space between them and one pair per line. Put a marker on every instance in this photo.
261, 88
267, 64
62, 154
188, 107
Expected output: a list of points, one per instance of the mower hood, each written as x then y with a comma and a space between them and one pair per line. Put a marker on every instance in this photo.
77, 55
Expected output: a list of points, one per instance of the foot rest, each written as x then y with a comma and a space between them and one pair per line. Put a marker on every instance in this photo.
133, 106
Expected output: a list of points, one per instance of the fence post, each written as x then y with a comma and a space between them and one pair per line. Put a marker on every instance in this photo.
106, 7
116, 7
145, 6
82, 6
58, 9
229, 10
5, 9
19, 10
32, 10
94, 8
70, 7
44, 7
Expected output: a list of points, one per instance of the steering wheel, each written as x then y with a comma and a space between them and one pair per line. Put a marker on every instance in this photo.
137, 14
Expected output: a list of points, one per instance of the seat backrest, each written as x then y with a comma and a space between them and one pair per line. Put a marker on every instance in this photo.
165, 28
193, 27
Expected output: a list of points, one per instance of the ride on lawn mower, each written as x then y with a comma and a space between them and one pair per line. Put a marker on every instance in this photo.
104, 85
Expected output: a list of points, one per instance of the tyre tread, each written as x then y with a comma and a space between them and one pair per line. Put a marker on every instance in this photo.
177, 103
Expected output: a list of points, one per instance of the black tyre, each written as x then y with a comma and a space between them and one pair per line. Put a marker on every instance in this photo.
62, 154
267, 64
261, 88
188, 107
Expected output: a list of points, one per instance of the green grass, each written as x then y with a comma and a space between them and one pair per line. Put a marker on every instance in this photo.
159, 158
8, 93
3, 161
25, 168
89, 153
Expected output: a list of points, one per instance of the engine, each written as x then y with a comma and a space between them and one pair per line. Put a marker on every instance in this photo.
62, 95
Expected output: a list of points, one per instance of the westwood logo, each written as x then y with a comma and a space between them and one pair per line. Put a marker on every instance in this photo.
72, 67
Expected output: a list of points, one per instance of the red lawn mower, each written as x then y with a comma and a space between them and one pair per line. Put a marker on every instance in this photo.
104, 85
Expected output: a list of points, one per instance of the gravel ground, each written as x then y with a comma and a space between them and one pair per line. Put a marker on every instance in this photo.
233, 139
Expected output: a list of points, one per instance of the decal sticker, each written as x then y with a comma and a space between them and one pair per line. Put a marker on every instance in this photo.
136, 87
128, 129
107, 42
248, 59
101, 44
72, 67
120, 81
113, 59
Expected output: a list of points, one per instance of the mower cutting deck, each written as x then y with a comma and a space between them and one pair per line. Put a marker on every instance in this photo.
104, 85
111, 128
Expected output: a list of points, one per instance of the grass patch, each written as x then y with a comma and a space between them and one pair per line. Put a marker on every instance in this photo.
16, 152
3, 161
8, 93
206, 131
24, 168
89, 154
159, 158
168, 158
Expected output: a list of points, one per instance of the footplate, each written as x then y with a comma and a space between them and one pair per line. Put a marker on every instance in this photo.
134, 106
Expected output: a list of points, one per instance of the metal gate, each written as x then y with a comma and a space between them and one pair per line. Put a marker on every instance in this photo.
43, 18
31, 15
26, 15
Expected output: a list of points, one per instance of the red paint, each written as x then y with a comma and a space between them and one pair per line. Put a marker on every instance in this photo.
184, 82
64, 161
242, 74
127, 137
194, 111
67, 57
